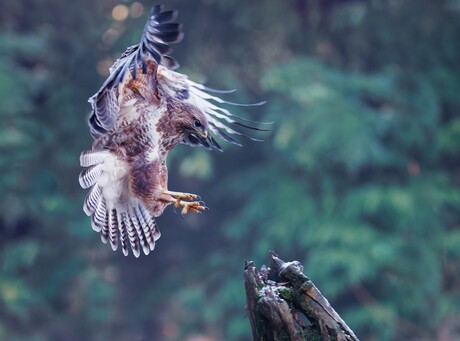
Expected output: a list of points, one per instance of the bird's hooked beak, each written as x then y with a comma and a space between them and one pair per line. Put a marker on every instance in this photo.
200, 133
204, 134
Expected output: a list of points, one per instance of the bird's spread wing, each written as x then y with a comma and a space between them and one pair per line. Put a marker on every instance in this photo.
159, 31
222, 123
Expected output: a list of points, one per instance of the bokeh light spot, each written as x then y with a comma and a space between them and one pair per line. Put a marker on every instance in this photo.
110, 36
103, 66
120, 12
136, 9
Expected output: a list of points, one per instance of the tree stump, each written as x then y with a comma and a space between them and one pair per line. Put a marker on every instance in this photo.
284, 304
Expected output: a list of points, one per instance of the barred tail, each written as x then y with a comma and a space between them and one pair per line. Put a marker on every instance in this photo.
126, 222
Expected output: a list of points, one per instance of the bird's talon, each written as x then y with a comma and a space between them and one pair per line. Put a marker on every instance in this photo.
186, 201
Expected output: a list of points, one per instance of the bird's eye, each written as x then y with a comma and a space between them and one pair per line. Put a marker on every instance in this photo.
198, 124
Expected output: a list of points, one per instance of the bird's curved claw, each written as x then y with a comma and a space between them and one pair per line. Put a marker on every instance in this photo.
192, 206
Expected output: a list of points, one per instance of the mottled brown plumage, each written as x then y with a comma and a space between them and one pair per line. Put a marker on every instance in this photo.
142, 111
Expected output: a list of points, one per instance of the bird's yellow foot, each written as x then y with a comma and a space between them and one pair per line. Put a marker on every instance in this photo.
192, 206
178, 199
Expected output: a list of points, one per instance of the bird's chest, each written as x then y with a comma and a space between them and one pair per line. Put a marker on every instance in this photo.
139, 139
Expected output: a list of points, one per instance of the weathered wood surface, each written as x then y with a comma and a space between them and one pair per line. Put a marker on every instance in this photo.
284, 304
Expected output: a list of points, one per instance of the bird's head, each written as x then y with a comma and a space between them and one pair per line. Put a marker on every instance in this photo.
196, 124
200, 127
187, 122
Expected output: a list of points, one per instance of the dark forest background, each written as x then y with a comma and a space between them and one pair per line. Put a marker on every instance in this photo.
358, 179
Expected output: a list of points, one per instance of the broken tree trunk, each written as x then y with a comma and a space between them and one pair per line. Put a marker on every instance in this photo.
284, 304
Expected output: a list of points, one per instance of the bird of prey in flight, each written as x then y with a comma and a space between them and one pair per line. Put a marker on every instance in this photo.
142, 111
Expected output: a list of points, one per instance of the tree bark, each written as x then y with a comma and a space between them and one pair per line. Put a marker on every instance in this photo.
284, 304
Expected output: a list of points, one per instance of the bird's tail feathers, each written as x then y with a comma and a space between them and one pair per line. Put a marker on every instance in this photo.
126, 222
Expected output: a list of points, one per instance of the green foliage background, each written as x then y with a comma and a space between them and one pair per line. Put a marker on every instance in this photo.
359, 179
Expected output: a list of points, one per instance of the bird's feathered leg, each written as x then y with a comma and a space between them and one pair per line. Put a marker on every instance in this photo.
178, 199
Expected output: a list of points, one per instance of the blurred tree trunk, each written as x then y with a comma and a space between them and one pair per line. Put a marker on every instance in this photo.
284, 304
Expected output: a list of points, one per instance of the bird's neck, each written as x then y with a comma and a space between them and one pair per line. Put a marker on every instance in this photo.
169, 126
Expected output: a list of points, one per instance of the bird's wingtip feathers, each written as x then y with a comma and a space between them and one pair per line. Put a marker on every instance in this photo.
159, 32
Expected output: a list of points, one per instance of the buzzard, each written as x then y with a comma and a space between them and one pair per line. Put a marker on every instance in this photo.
142, 111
